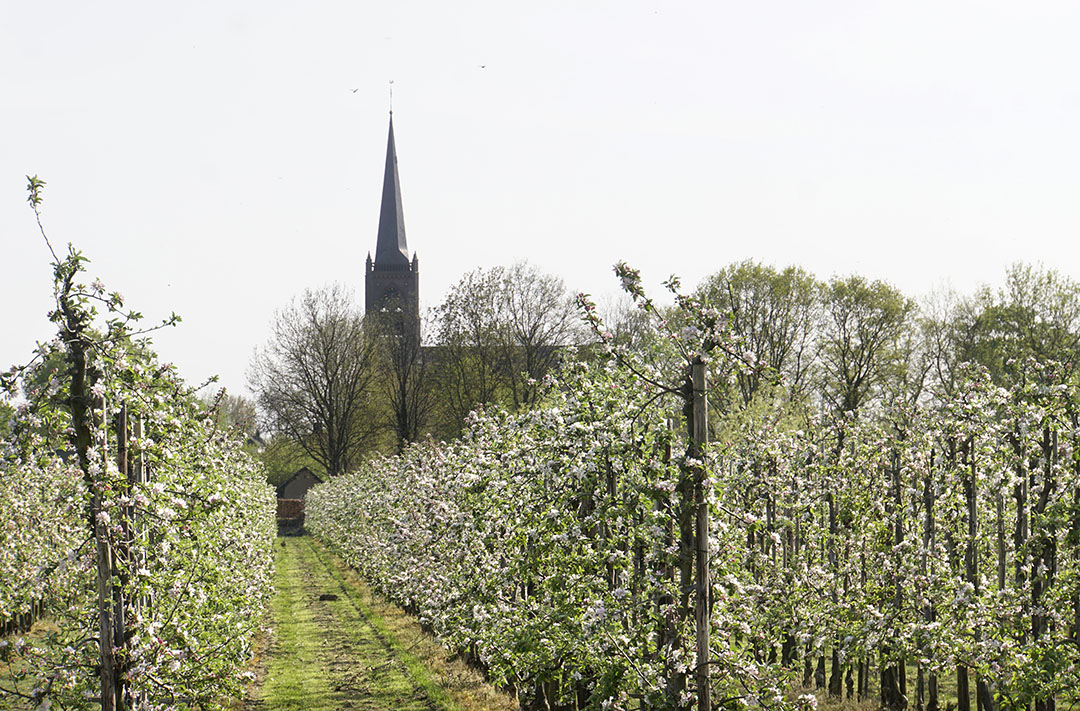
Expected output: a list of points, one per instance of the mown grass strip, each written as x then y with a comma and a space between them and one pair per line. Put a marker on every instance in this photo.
295, 678
417, 670
449, 683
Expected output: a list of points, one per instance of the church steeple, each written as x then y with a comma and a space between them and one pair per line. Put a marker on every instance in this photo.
392, 283
391, 249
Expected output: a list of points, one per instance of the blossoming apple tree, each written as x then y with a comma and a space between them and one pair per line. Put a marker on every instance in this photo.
138, 529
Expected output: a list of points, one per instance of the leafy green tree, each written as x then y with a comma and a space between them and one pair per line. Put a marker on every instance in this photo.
1036, 315
775, 314
862, 341
498, 333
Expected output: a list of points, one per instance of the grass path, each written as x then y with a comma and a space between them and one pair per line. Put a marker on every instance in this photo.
352, 652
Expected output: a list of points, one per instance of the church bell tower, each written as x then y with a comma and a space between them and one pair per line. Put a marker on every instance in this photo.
392, 285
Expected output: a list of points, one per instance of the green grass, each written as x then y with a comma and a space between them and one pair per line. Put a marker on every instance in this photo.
353, 652
946, 691
8, 670
294, 677
416, 668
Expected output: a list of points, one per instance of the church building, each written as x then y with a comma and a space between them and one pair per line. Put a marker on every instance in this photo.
392, 285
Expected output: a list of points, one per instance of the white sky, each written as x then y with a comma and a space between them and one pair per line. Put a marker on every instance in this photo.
215, 158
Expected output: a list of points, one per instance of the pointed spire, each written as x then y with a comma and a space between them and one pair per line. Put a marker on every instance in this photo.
391, 249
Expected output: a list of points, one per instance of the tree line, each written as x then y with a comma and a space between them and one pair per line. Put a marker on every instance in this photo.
334, 386
851, 345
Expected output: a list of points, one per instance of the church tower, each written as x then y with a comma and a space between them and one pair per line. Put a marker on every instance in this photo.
392, 285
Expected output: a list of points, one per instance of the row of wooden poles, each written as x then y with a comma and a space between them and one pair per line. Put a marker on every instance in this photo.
116, 606
23, 621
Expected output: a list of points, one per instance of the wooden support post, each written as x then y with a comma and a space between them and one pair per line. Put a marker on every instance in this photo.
701, 439
121, 552
107, 657
929, 540
138, 530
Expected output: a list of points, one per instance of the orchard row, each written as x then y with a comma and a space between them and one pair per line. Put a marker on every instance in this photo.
139, 531
557, 546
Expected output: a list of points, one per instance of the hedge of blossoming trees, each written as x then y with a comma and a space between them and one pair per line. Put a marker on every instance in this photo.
882, 555
556, 546
138, 528
35, 516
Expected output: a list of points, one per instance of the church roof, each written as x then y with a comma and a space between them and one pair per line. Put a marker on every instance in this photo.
391, 249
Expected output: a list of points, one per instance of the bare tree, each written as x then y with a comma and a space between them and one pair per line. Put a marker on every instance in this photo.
947, 324
468, 345
540, 320
404, 375
629, 325
313, 379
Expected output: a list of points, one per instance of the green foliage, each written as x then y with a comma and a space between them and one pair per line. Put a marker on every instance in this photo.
547, 541
7, 412
776, 314
281, 458
1035, 315
861, 343
933, 532
35, 186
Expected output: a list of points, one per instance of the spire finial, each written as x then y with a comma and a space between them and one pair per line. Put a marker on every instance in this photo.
391, 97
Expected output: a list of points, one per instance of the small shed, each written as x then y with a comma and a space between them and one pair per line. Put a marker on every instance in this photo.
296, 486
